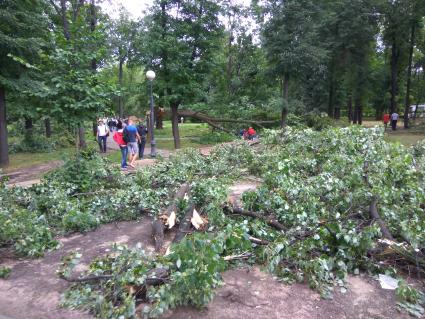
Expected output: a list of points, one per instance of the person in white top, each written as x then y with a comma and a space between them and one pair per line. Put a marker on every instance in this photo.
102, 135
394, 119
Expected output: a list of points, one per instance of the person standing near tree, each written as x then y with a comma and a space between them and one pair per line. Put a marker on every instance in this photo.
131, 137
102, 135
142, 130
118, 138
386, 119
394, 119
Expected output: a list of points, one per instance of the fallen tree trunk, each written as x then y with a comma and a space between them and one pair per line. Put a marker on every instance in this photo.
168, 217
213, 120
373, 210
185, 224
154, 277
269, 220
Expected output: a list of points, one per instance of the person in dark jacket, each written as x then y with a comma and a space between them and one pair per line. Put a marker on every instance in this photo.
142, 130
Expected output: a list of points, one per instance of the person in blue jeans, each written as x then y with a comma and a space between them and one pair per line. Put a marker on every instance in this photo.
119, 139
142, 130
102, 135
131, 136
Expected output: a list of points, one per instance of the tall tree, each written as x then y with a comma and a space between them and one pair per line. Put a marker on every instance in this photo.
123, 33
182, 37
416, 23
22, 26
289, 38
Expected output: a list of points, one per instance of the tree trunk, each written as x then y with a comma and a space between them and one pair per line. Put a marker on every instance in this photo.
337, 113
64, 18
93, 21
350, 109
355, 112
416, 110
358, 111
28, 123
81, 138
285, 93
175, 125
120, 73
409, 75
4, 148
394, 72
331, 111
48, 127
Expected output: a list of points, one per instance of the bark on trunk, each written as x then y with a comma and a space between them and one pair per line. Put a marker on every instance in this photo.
28, 123
93, 22
409, 75
48, 127
175, 125
4, 148
331, 97
269, 220
355, 112
350, 109
158, 224
81, 138
185, 224
394, 72
373, 210
337, 113
120, 73
65, 20
285, 93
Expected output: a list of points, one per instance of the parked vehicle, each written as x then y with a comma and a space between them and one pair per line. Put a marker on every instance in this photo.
419, 113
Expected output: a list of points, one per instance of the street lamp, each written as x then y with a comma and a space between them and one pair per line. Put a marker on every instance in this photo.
150, 76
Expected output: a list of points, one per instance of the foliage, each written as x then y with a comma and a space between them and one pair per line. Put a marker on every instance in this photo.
411, 299
216, 137
317, 184
4, 272
314, 183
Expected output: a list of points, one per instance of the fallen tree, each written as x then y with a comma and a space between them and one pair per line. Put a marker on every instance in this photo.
311, 218
168, 216
212, 121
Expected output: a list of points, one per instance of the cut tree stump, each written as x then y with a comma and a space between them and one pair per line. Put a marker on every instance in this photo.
168, 217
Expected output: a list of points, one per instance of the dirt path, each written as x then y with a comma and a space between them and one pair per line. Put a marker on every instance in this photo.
30, 175
33, 289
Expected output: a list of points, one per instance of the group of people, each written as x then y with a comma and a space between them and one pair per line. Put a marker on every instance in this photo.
130, 137
393, 117
248, 134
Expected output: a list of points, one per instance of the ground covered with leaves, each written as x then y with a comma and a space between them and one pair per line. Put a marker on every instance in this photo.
330, 203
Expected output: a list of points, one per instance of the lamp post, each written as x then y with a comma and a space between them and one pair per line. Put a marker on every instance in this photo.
150, 75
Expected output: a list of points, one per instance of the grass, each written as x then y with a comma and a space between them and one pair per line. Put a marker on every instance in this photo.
189, 133
406, 139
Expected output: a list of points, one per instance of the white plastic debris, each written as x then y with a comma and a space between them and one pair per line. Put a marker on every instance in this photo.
388, 282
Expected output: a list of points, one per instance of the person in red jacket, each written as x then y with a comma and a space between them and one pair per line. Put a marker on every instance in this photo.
119, 139
251, 133
386, 119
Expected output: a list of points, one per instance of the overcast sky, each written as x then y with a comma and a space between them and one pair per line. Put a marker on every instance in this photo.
136, 7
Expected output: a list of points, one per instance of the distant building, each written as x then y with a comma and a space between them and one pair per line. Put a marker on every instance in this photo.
419, 113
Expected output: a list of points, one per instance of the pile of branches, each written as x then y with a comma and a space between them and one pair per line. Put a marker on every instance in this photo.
330, 203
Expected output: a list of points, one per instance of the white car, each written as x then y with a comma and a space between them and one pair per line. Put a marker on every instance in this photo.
419, 113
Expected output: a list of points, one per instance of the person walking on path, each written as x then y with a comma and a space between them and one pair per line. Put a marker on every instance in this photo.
394, 119
119, 139
102, 134
386, 119
131, 137
142, 130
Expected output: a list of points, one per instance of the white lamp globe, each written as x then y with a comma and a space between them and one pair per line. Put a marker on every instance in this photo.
150, 75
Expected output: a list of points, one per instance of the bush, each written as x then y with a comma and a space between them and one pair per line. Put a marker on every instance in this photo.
216, 138
76, 220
